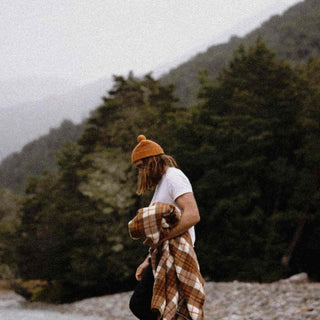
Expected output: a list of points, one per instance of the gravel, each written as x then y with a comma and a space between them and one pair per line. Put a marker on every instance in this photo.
294, 299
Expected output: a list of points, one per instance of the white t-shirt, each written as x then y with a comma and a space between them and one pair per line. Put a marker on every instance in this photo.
173, 184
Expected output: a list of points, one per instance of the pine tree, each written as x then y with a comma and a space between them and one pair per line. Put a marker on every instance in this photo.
73, 230
247, 131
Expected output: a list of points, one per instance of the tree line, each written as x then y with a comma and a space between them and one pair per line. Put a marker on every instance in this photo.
250, 146
36, 156
293, 36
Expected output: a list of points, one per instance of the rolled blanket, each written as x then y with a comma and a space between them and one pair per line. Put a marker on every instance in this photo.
178, 291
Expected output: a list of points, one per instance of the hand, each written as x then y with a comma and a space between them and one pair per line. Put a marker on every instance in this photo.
141, 269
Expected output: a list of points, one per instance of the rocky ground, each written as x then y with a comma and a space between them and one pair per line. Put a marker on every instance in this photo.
294, 299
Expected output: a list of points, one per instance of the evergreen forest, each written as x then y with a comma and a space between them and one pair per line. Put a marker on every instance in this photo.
294, 36
250, 145
251, 149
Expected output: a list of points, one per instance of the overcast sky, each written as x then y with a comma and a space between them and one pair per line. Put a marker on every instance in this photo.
84, 40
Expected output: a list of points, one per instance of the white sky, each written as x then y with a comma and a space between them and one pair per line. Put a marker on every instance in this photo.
85, 40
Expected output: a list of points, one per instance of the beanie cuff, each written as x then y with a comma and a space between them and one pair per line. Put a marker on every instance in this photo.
145, 148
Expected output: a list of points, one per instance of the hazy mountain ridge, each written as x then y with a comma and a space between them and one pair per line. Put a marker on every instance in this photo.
37, 156
17, 124
23, 123
32, 89
294, 35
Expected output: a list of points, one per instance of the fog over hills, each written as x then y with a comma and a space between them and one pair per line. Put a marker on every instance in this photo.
22, 123
29, 107
27, 89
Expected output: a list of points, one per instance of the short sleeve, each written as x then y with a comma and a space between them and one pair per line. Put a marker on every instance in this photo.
178, 183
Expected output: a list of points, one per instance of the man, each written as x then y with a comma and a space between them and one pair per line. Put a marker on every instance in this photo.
159, 171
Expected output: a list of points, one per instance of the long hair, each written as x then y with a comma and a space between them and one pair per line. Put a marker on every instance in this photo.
153, 168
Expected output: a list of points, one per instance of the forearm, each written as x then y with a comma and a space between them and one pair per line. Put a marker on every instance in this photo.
187, 220
190, 217
147, 258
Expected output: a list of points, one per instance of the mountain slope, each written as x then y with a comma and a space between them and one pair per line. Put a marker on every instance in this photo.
23, 123
22, 90
37, 156
295, 35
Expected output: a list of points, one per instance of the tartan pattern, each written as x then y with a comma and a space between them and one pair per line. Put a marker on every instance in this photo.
178, 291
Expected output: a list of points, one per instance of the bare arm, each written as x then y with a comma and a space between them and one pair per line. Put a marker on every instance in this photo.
190, 217
142, 267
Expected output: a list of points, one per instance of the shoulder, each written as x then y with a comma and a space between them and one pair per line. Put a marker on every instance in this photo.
177, 183
175, 175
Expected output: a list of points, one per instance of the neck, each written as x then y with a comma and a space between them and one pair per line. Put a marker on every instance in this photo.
166, 168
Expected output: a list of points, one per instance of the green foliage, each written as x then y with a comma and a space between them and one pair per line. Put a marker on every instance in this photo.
252, 174
9, 213
250, 148
52, 292
36, 157
9, 205
294, 36
28, 289
110, 180
73, 231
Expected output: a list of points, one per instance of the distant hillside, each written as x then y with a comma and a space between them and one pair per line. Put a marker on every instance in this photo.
23, 123
36, 156
295, 35
22, 90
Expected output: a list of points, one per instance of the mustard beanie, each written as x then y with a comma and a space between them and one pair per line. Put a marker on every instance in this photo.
145, 148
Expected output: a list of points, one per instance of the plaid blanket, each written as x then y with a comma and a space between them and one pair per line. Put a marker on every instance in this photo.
178, 291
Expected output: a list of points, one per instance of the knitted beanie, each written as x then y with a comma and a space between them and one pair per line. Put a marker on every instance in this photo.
145, 148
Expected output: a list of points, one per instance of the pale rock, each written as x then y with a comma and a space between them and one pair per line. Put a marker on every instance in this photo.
281, 300
298, 278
